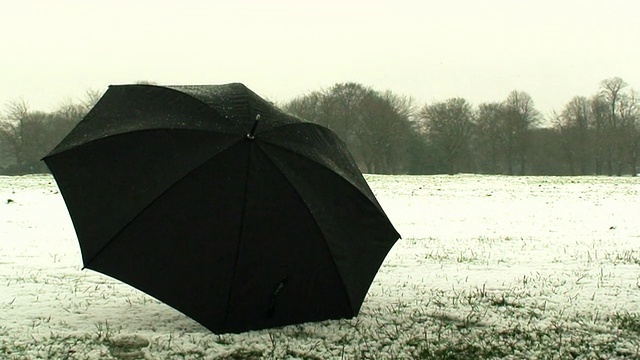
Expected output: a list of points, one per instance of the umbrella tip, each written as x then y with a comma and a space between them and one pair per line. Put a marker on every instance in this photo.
252, 133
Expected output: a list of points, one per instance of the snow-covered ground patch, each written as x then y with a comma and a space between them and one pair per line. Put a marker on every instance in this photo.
488, 267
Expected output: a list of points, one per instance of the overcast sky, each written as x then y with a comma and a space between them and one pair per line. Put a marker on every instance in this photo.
480, 50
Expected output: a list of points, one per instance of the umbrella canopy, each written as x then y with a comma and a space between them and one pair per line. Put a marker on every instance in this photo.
236, 222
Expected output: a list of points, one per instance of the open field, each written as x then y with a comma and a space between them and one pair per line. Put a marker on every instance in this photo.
489, 267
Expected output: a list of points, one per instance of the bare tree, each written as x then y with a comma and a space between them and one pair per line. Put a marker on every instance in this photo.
448, 126
92, 96
520, 119
621, 126
345, 102
629, 147
386, 132
574, 127
490, 136
611, 92
307, 107
599, 111
28, 135
375, 126
12, 130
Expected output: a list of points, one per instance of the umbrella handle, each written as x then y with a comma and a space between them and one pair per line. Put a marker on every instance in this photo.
276, 292
252, 133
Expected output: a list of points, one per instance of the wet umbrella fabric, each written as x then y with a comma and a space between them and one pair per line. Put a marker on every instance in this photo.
168, 193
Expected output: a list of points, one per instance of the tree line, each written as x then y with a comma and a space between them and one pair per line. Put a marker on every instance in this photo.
27, 135
389, 133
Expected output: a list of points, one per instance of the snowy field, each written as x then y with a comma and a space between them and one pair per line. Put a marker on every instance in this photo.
489, 267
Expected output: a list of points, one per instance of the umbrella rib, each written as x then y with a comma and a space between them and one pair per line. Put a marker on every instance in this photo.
236, 260
185, 175
269, 156
370, 195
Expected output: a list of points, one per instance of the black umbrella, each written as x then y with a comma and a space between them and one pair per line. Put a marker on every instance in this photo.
218, 204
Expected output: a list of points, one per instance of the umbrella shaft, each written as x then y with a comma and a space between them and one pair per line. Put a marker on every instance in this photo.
252, 133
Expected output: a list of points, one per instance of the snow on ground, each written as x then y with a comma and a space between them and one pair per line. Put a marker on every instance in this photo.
489, 266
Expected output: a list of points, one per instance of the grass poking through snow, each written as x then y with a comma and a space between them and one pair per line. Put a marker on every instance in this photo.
545, 268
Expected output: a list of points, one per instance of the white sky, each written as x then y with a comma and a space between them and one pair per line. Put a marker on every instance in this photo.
51, 51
